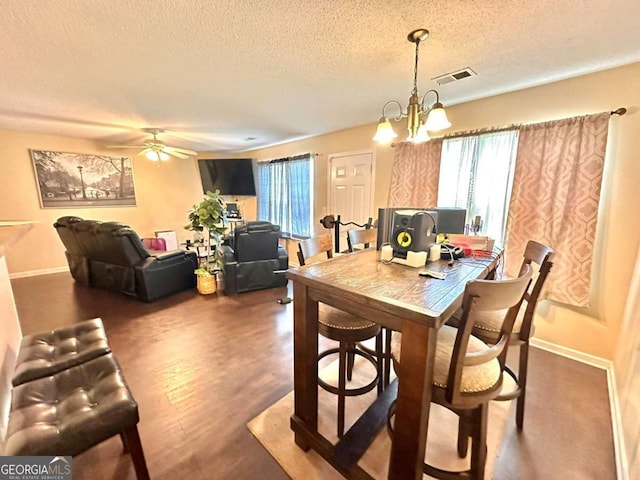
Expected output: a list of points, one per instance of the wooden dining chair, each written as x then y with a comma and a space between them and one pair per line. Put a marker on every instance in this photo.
467, 372
347, 330
367, 238
487, 325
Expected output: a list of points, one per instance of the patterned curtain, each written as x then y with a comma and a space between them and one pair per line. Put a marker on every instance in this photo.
555, 196
415, 173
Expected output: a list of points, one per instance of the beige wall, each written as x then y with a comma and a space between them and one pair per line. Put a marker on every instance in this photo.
165, 194
593, 330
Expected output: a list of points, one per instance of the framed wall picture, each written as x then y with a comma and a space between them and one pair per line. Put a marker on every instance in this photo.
83, 180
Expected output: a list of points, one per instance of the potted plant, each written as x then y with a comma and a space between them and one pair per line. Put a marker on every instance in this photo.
210, 215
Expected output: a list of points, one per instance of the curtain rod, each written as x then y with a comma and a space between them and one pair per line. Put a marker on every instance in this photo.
292, 158
618, 111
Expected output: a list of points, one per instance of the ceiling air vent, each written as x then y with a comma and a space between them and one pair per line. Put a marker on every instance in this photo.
454, 76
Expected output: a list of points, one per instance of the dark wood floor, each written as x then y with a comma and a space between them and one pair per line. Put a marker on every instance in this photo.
201, 367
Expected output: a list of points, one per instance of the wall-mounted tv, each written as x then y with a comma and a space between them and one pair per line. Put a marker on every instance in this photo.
232, 176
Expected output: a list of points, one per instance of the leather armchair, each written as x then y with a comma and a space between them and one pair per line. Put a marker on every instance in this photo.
256, 260
113, 257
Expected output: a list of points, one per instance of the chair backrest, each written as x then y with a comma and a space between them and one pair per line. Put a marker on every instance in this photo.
110, 242
313, 246
482, 296
64, 227
255, 241
540, 258
365, 237
119, 244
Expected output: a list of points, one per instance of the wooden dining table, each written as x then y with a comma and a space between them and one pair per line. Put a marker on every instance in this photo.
396, 297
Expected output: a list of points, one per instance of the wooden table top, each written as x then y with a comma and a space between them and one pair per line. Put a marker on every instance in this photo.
363, 282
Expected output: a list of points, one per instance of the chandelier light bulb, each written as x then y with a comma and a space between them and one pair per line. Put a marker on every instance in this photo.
385, 132
437, 119
421, 135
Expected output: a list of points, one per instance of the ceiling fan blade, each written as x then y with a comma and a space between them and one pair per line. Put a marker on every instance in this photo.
125, 146
175, 154
143, 152
184, 151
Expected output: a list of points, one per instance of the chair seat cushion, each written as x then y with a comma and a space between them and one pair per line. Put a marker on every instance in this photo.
46, 353
339, 325
487, 324
475, 378
71, 411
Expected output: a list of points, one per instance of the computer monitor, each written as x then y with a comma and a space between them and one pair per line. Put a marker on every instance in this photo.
232, 210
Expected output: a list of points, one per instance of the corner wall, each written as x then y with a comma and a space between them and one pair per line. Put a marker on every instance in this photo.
595, 330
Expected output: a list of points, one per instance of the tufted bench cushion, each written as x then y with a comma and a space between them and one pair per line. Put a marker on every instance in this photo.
69, 412
47, 353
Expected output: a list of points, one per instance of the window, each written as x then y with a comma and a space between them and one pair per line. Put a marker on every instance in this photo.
285, 194
476, 173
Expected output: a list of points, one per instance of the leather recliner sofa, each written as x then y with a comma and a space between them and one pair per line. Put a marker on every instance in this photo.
111, 255
256, 260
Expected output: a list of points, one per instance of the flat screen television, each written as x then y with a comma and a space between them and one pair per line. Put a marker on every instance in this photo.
232, 176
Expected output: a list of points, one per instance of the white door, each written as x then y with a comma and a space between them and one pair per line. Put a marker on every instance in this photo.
350, 189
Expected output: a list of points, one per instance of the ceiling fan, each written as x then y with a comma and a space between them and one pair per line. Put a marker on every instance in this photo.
155, 150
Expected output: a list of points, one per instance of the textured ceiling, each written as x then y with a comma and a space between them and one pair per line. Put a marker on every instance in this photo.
217, 72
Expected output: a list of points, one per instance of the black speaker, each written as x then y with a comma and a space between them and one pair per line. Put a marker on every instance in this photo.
385, 225
413, 230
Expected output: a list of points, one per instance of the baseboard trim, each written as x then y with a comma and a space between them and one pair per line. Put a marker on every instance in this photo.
35, 273
622, 468
572, 354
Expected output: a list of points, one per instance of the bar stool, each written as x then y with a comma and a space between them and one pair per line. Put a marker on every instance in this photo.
368, 238
487, 325
346, 329
467, 373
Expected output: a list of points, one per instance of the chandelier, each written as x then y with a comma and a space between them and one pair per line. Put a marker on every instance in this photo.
420, 118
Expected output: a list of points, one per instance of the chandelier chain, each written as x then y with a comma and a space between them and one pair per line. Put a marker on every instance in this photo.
415, 70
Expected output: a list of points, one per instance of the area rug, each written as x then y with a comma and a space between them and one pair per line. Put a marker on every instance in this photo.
272, 429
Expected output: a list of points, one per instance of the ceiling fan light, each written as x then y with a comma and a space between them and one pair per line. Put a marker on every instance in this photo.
437, 119
156, 156
385, 132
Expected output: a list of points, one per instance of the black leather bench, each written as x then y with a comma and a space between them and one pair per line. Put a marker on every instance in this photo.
46, 353
74, 409
69, 394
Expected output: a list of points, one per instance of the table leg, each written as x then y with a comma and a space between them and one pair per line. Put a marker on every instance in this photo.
305, 361
414, 397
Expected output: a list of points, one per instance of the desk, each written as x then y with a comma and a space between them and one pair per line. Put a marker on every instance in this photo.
396, 297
